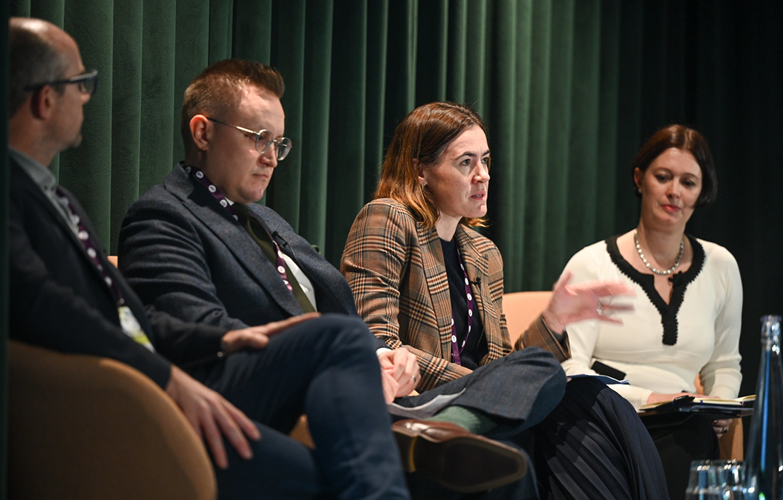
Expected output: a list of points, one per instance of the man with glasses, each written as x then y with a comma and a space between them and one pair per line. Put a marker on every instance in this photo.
67, 296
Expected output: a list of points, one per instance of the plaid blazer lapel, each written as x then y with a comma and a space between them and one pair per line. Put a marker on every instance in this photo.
477, 268
437, 285
477, 264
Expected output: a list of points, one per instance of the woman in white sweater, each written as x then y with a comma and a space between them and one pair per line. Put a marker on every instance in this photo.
688, 301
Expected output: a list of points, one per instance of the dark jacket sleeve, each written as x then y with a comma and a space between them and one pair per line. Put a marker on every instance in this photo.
49, 309
163, 258
184, 343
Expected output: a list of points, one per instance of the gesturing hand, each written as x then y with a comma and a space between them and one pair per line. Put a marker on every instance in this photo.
211, 416
572, 303
257, 337
399, 373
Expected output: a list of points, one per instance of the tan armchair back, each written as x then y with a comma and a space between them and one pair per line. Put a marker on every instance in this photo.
88, 427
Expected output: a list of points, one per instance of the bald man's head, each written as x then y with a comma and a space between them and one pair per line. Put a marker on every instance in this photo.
46, 96
36, 54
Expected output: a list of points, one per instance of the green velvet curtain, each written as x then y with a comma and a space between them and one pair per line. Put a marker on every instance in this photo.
569, 90
537, 71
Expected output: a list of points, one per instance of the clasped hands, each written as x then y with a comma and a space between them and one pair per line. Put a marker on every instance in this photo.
399, 373
572, 303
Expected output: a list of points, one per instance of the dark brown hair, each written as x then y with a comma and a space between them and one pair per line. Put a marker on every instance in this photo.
684, 139
422, 137
218, 88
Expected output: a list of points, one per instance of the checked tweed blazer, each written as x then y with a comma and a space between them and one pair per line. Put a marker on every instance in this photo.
395, 268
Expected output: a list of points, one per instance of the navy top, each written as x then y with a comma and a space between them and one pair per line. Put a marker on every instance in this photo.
476, 347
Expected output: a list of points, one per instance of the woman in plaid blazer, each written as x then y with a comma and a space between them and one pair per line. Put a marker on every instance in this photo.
423, 278
433, 190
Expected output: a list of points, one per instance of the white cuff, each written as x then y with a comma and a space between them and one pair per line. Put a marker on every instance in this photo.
381, 350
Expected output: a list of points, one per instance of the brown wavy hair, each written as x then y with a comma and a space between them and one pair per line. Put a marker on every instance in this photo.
421, 138
684, 139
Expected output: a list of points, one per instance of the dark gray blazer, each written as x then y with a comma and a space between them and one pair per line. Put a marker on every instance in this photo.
184, 253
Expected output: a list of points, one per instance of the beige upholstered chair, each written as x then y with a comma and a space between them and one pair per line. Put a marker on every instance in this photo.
88, 427
521, 308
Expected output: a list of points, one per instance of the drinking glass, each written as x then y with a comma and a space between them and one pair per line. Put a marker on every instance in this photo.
715, 480
732, 473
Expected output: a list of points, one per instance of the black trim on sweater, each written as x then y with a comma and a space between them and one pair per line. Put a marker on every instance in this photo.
679, 281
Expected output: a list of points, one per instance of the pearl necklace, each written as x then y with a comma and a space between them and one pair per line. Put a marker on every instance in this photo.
649, 266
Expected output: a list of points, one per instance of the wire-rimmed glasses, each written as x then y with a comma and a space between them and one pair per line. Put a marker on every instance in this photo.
264, 139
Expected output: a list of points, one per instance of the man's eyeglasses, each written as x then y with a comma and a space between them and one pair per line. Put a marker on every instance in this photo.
264, 139
87, 82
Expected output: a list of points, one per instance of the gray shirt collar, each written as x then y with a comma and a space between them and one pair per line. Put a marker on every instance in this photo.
45, 180
41, 175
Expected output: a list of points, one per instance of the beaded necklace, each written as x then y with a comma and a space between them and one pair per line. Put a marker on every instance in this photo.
649, 266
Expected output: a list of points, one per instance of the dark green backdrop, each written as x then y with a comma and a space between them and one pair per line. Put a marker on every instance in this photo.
569, 89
